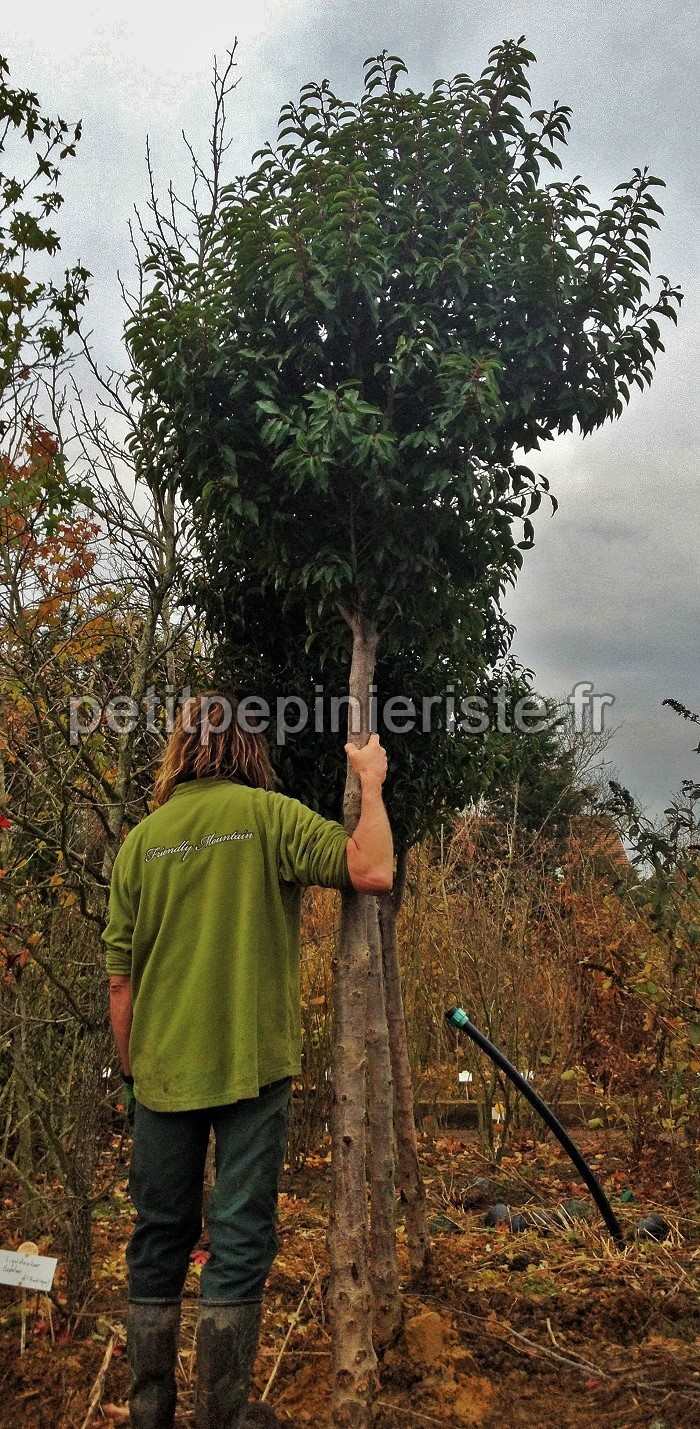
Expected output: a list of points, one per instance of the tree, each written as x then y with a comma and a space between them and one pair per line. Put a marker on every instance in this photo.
655, 972
391, 305
64, 632
73, 539
436, 767
38, 316
540, 785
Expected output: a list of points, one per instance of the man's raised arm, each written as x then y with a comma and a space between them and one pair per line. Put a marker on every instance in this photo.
370, 850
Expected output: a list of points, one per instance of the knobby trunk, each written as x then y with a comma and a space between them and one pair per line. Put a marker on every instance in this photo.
354, 1359
384, 1271
409, 1176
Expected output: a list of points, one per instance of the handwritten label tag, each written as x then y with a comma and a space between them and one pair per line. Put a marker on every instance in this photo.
33, 1272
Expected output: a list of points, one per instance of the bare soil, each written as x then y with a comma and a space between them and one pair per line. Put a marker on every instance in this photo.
507, 1330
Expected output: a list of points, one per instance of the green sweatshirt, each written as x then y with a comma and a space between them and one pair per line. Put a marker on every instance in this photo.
204, 917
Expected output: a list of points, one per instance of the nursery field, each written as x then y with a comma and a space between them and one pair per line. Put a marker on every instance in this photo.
507, 1329
547, 1324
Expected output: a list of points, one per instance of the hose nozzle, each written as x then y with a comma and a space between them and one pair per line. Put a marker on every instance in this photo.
457, 1017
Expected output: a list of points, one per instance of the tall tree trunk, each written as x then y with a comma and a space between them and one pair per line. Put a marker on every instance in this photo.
127, 741
409, 1176
384, 1270
168, 555
142, 662
25, 1137
354, 1359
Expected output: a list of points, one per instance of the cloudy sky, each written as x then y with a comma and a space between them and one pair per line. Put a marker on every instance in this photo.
610, 592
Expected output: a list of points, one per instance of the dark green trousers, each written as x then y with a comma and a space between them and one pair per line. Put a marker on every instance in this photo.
166, 1181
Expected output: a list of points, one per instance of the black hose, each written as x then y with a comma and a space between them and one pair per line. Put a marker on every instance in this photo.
458, 1019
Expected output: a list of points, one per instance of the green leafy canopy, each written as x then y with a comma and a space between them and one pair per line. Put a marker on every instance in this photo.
392, 303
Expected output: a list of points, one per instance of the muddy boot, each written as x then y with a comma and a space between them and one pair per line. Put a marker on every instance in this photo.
227, 1342
151, 1347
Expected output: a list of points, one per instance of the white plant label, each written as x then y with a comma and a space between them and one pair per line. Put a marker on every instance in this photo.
32, 1272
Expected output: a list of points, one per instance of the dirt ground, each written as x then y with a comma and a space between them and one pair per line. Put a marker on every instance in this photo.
548, 1327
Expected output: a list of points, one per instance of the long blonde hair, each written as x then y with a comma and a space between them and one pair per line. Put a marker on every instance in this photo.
208, 742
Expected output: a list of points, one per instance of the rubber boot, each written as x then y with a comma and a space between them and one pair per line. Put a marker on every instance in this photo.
227, 1343
151, 1346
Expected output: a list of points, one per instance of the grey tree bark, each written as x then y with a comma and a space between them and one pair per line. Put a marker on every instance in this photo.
353, 1356
384, 1269
410, 1180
